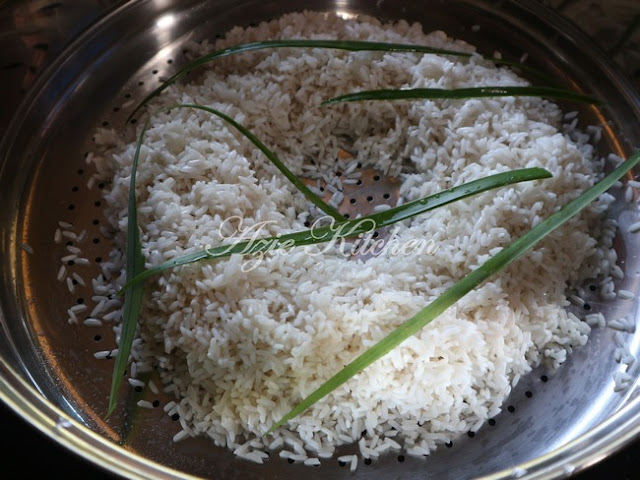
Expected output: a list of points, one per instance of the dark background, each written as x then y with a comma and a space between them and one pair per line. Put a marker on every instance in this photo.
614, 24
31, 453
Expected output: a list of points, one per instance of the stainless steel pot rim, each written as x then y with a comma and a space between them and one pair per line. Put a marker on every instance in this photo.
42, 414
586, 450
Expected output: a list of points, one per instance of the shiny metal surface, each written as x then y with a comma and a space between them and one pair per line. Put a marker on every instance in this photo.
558, 422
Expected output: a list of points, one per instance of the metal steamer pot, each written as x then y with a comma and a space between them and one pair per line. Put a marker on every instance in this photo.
558, 422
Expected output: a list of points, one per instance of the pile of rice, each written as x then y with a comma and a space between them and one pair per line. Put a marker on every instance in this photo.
240, 349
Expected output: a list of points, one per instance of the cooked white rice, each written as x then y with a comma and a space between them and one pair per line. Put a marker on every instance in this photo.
240, 349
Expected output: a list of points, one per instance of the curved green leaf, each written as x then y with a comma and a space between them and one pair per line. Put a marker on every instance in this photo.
461, 93
133, 293
351, 227
312, 197
348, 45
495, 264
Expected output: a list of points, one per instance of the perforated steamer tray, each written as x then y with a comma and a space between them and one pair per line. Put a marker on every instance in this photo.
553, 424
